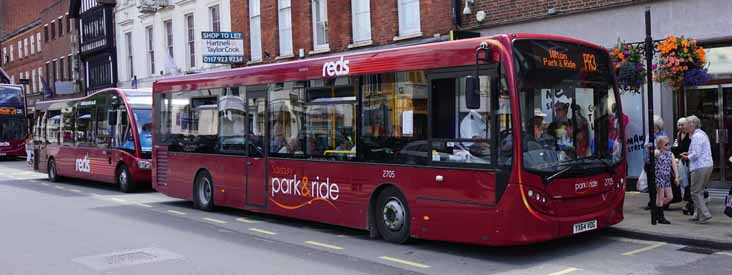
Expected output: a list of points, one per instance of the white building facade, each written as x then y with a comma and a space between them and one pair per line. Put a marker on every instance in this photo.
158, 38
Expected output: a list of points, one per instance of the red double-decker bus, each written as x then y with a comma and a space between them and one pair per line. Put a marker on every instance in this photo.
106, 136
502, 140
13, 121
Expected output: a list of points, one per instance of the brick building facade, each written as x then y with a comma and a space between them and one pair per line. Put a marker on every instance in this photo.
377, 25
23, 57
60, 58
39, 45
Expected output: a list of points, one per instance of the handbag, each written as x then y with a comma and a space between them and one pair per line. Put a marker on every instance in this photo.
642, 184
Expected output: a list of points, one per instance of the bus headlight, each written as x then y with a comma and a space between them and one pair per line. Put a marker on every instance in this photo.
144, 164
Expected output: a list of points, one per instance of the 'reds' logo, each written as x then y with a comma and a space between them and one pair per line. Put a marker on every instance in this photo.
336, 68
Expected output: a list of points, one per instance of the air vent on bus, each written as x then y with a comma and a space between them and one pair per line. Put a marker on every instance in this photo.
161, 171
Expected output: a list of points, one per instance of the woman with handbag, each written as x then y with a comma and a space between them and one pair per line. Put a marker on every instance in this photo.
683, 140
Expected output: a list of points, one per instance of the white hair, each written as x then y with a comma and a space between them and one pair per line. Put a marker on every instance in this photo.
693, 120
657, 122
682, 120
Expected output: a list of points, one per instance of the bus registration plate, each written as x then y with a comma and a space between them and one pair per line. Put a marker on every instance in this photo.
584, 226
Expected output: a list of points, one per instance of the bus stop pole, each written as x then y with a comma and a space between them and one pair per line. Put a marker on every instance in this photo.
651, 167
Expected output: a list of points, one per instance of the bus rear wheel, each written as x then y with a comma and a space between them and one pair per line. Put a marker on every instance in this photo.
392, 216
52, 172
203, 197
126, 184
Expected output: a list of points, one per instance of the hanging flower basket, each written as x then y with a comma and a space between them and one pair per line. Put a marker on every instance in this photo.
681, 62
629, 67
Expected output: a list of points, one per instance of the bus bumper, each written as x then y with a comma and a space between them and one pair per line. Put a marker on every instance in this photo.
520, 225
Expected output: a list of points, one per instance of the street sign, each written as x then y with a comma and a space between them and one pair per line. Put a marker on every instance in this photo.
24, 81
223, 47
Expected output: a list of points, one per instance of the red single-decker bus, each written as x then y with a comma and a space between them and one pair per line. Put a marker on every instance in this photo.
13, 121
106, 136
502, 140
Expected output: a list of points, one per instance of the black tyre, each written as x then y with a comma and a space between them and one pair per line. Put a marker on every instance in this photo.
203, 192
124, 180
392, 216
52, 172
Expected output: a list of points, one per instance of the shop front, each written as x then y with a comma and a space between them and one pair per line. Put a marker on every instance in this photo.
712, 103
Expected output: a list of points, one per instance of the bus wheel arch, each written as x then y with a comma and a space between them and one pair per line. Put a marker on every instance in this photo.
123, 178
203, 190
389, 215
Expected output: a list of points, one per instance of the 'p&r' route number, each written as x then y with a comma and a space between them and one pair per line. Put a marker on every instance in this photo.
389, 174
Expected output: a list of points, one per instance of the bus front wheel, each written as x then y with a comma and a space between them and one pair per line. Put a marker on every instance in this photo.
52, 172
392, 216
126, 184
203, 192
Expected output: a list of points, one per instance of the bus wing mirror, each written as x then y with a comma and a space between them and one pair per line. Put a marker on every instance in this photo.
472, 92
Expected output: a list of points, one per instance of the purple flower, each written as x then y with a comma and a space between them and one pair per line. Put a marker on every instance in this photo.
639, 68
626, 53
696, 77
653, 66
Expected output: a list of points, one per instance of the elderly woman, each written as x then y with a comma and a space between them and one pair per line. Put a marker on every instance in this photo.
682, 143
700, 167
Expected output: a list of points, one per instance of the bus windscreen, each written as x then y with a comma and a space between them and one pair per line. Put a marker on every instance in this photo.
568, 104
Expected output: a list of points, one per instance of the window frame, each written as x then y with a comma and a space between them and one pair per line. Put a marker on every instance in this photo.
190, 40
255, 31
356, 24
129, 57
284, 17
149, 33
323, 5
403, 12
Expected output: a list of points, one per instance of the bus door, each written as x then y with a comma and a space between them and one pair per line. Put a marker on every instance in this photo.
256, 163
460, 176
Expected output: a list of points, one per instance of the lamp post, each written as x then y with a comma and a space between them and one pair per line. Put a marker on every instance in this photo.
651, 167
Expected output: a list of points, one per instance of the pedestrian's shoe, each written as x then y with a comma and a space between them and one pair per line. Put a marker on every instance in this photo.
694, 218
704, 220
661, 218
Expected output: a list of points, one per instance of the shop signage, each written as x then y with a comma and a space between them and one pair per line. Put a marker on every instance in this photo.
223, 47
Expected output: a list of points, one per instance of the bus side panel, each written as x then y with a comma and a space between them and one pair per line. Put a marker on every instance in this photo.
65, 159
329, 192
180, 182
460, 200
227, 174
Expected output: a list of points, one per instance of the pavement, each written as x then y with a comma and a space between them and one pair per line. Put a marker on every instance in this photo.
637, 223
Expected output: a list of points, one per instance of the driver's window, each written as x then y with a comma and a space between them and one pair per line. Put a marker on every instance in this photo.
459, 134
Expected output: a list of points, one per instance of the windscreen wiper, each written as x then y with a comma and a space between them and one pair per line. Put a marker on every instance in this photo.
558, 173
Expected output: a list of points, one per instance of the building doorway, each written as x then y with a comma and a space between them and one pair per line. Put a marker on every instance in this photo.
713, 105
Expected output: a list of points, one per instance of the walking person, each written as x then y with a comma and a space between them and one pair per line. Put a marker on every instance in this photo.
29, 151
666, 173
683, 141
700, 167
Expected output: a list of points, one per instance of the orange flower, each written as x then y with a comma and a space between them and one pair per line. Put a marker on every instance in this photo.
700, 53
684, 42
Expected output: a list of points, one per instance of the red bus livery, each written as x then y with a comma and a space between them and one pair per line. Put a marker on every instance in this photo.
13, 121
502, 140
106, 136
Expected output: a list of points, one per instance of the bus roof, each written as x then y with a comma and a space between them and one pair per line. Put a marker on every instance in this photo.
126, 93
424, 56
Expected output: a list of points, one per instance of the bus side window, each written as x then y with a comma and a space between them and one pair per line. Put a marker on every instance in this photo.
394, 118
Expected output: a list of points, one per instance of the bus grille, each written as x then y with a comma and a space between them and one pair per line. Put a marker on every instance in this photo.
161, 170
